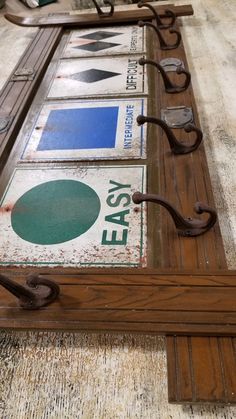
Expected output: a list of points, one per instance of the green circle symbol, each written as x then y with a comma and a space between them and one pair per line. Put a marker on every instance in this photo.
55, 212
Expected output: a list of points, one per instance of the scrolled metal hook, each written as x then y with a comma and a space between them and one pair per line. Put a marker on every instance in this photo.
169, 86
187, 227
168, 14
99, 10
176, 146
163, 44
38, 291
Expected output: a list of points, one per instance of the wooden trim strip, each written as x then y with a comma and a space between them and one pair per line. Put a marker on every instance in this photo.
198, 371
168, 305
16, 96
92, 19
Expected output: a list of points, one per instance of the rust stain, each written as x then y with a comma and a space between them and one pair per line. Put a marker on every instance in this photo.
6, 208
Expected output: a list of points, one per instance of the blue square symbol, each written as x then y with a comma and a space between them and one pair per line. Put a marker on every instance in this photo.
85, 128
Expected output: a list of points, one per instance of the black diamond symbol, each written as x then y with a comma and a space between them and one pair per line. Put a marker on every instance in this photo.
97, 36
93, 75
97, 46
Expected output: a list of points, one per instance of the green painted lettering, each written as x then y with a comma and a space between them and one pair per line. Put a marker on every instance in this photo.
118, 218
113, 201
118, 186
114, 239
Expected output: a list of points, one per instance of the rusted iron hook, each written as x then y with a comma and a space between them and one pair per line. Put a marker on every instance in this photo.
163, 44
187, 227
176, 146
168, 14
99, 10
169, 86
38, 291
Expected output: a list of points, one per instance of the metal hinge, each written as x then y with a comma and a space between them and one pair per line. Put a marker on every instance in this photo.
5, 122
177, 117
171, 64
23, 74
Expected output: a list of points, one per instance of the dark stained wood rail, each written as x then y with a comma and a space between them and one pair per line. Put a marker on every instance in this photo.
200, 369
83, 19
16, 96
163, 303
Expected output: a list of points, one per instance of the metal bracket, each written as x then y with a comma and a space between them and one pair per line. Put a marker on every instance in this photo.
187, 227
177, 147
23, 74
170, 87
177, 116
38, 291
162, 42
5, 122
168, 14
171, 64
102, 14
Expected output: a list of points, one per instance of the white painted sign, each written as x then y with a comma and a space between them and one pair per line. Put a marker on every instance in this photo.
73, 216
110, 40
99, 77
83, 130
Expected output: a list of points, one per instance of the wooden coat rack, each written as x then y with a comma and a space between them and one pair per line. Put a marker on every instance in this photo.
186, 292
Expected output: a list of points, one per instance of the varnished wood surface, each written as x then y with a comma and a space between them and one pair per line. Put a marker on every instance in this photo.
151, 303
16, 96
197, 367
83, 20
55, 374
209, 352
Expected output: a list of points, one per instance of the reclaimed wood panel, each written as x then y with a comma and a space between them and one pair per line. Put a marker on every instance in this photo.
181, 248
186, 180
92, 19
16, 96
150, 303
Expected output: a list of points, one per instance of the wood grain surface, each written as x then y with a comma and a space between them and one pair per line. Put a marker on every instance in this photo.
16, 96
84, 20
185, 356
69, 375
166, 303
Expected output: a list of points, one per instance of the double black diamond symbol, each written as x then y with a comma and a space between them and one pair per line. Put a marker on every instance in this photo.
93, 75
98, 44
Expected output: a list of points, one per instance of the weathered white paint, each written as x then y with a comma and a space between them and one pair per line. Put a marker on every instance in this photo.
117, 236
130, 139
125, 40
111, 75
67, 376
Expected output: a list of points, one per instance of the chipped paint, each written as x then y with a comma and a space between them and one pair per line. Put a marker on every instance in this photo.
110, 40
88, 131
74, 216
99, 77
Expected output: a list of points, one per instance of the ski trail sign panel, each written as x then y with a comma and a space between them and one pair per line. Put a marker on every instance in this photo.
105, 41
73, 216
99, 76
84, 130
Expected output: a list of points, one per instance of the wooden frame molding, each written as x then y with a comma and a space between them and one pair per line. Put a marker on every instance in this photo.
16, 95
82, 20
162, 303
186, 293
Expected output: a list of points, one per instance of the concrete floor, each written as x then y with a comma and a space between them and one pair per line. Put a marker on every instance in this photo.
63, 375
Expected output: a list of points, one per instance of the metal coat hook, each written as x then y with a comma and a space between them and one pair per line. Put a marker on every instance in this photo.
187, 227
99, 10
163, 44
169, 86
38, 291
168, 14
176, 146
